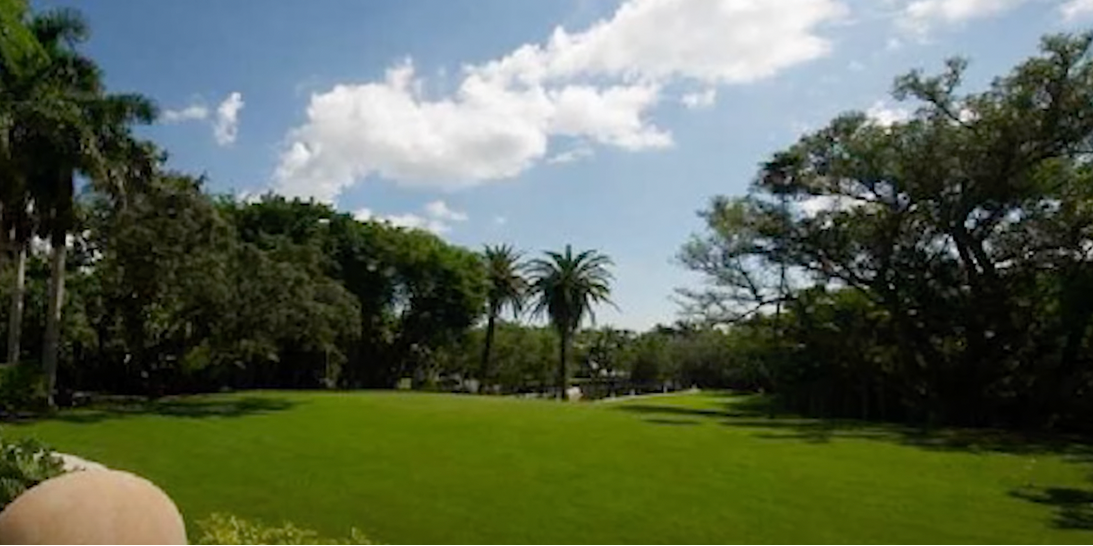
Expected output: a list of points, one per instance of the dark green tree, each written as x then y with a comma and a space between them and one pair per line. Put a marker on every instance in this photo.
506, 288
565, 288
966, 228
78, 128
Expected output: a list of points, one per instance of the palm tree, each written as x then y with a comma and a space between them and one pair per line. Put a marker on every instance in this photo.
21, 57
506, 288
566, 287
74, 127
18, 227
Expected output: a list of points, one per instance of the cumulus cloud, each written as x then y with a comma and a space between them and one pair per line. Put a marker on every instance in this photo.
226, 126
919, 16
598, 85
571, 155
695, 101
884, 115
363, 214
190, 113
1076, 9
813, 206
224, 121
436, 217
440, 211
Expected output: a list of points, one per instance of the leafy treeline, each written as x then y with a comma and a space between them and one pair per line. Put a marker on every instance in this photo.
180, 291
605, 361
935, 270
124, 277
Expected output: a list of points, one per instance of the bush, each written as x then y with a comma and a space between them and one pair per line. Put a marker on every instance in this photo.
229, 529
22, 388
24, 464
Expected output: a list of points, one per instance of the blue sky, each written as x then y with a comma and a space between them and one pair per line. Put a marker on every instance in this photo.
602, 123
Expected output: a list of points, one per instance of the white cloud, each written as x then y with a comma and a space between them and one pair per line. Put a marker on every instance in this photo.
722, 41
856, 66
440, 211
884, 115
225, 123
437, 217
1076, 9
813, 206
226, 126
414, 221
919, 16
500, 220
598, 85
249, 196
189, 113
571, 155
696, 101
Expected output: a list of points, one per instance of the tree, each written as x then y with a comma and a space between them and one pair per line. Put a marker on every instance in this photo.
20, 55
417, 295
565, 287
79, 129
963, 235
506, 287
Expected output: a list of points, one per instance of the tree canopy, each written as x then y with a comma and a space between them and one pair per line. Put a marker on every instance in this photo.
960, 236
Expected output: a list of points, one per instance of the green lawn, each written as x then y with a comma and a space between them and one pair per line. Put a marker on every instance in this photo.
428, 468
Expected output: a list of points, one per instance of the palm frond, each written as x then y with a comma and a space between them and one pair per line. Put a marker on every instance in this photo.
566, 287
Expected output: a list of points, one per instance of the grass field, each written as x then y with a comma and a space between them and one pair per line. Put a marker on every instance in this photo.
686, 469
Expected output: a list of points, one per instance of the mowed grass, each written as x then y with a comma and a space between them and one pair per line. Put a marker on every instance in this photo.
425, 468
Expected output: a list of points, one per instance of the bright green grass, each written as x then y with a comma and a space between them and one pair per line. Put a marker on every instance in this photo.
441, 469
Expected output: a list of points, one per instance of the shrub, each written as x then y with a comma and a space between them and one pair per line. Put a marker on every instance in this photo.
24, 464
229, 529
22, 388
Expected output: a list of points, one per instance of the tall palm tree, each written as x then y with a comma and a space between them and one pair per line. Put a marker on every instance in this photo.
75, 127
565, 287
506, 289
18, 226
21, 57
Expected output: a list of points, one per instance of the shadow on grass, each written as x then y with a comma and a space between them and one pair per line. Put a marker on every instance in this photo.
1073, 507
188, 408
675, 422
754, 412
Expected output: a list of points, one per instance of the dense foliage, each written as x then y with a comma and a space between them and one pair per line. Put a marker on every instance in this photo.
937, 269
180, 291
24, 464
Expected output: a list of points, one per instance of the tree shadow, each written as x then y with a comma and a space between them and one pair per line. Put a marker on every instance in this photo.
1073, 507
187, 408
673, 422
752, 412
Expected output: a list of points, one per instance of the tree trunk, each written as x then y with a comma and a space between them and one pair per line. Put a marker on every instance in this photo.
5, 235
485, 370
53, 316
15, 319
563, 342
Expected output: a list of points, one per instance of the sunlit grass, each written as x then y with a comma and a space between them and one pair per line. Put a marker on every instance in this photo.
424, 468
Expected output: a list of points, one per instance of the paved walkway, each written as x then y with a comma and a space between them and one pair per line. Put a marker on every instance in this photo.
636, 396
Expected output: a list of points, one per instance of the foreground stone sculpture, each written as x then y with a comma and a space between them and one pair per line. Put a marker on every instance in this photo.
93, 507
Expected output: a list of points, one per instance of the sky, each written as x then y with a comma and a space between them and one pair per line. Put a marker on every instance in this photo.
604, 124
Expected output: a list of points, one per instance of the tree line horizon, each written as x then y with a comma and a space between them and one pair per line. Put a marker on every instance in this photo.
935, 270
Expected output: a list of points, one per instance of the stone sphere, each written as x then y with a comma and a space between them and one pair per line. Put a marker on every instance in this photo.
93, 507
